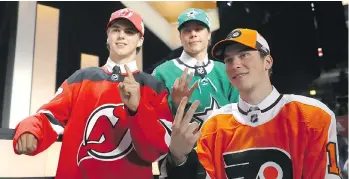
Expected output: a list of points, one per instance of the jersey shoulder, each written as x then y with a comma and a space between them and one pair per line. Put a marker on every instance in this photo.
89, 73
164, 66
150, 81
221, 119
312, 111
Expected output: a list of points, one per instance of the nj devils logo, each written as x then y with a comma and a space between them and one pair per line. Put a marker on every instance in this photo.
106, 136
259, 163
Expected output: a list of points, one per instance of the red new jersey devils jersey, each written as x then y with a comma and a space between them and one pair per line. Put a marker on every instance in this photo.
100, 138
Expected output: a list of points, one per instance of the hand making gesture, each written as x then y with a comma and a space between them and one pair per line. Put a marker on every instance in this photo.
130, 91
180, 87
184, 133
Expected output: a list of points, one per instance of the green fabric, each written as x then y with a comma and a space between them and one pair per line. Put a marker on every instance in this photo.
193, 14
210, 99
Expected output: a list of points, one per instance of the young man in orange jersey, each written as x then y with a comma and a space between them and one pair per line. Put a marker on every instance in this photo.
113, 118
266, 135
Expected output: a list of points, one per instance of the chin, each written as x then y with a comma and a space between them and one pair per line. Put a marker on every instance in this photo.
241, 86
120, 52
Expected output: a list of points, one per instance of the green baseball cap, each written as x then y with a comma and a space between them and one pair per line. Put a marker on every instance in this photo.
193, 14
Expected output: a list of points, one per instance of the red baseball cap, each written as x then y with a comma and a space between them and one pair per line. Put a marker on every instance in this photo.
130, 15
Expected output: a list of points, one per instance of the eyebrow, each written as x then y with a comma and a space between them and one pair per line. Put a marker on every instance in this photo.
127, 28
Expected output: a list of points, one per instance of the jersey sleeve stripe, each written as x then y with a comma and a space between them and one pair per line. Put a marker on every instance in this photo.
56, 126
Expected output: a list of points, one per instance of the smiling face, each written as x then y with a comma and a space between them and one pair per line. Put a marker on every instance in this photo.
194, 37
245, 67
123, 39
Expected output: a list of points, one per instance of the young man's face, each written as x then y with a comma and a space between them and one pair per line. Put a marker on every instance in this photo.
194, 37
245, 67
123, 38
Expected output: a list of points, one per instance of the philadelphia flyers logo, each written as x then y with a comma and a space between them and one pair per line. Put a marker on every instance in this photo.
259, 163
106, 136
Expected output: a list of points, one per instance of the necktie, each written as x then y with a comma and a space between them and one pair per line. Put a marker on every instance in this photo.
116, 73
200, 70
253, 112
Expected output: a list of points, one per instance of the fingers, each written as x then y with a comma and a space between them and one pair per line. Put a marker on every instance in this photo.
187, 82
183, 79
190, 113
121, 86
26, 144
175, 85
19, 146
196, 136
192, 88
180, 112
193, 133
193, 128
23, 142
129, 73
31, 144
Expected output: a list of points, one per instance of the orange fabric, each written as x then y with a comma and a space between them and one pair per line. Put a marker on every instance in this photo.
248, 37
299, 133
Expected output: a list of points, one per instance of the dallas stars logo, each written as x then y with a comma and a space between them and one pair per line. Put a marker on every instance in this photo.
202, 116
192, 14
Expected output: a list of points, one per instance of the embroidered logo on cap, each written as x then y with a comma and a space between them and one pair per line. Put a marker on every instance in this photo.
234, 34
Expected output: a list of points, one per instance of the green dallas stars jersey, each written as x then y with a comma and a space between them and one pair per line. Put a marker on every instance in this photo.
213, 91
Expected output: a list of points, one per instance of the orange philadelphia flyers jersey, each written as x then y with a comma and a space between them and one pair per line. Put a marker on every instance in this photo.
287, 137
101, 140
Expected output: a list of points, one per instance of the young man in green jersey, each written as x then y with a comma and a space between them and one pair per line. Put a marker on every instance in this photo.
207, 79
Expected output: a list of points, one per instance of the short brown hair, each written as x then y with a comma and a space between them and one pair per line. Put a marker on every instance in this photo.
263, 55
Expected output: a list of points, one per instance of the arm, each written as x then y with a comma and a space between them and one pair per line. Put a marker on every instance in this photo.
321, 159
150, 126
190, 169
48, 123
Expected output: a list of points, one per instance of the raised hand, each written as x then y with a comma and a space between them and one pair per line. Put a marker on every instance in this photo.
130, 91
184, 133
180, 87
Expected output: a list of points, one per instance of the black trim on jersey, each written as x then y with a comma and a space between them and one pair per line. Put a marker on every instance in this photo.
205, 111
264, 110
168, 130
90, 73
98, 74
182, 63
52, 119
145, 79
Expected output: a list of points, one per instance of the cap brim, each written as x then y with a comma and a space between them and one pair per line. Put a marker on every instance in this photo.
218, 49
120, 18
203, 23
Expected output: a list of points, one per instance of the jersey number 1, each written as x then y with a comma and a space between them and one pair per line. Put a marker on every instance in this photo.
332, 158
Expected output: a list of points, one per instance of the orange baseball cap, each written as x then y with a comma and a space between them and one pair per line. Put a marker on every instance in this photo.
130, 15
248, 37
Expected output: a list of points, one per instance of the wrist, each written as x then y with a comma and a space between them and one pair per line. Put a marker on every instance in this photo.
177, 159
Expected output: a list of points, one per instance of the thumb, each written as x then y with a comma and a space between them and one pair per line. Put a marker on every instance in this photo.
121, 86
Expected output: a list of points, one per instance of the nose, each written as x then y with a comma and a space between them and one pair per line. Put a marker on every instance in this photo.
121, 35
235, 64
193, 33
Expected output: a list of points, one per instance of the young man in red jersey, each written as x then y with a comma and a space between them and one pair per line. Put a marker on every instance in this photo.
114, 119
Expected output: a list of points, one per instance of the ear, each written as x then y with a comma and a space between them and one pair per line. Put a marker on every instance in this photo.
209, 35
140, 42
268, 62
